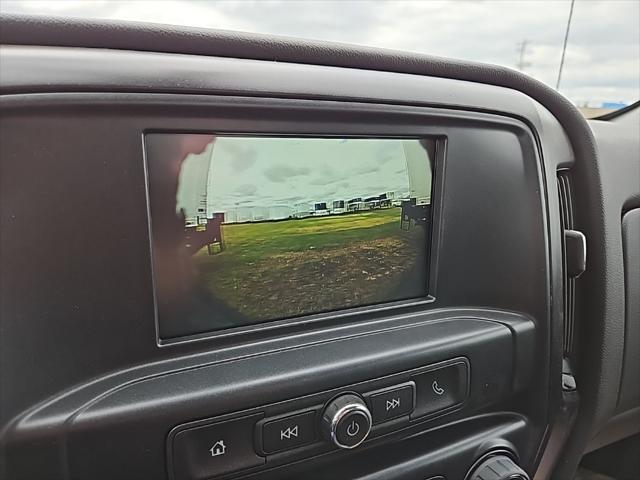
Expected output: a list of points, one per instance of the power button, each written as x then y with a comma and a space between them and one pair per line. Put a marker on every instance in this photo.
346, 421
352, 429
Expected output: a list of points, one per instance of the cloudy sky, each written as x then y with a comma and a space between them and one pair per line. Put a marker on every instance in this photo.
602, 61
280, 171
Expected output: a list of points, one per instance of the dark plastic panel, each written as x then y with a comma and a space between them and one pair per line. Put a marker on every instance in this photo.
497, 254
140, 415
629, 395
603, 187
34, 69
102, 167
88, 152
449, 452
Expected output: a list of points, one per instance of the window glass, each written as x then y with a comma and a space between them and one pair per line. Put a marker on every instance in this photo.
600, 72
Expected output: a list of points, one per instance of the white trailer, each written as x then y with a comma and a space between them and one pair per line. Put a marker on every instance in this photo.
193, 185
418, 171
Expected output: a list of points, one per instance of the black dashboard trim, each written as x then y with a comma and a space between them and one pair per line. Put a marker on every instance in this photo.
601, 280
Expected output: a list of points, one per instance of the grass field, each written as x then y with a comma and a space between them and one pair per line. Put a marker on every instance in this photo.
287, 268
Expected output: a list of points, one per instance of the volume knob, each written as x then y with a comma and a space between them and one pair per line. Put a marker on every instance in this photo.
497, 467
346, 421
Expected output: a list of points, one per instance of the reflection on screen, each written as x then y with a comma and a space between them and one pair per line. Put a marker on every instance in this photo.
253, 229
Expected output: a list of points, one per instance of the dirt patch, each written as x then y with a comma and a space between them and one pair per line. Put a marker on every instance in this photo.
315, 280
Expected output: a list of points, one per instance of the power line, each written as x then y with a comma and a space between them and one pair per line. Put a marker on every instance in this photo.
564, 47
522, 48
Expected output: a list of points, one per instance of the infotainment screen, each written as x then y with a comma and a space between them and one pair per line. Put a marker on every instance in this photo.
254, 229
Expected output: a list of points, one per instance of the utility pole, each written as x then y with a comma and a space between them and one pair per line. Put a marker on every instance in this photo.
522, 49
564, 47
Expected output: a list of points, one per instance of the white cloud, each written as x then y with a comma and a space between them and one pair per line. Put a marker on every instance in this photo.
602, 61
309, 170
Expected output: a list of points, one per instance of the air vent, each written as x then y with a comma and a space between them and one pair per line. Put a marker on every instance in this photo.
569, 283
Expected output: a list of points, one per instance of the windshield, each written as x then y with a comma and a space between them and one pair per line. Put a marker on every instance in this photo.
588, 50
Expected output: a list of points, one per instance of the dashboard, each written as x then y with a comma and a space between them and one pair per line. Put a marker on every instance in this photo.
413, 268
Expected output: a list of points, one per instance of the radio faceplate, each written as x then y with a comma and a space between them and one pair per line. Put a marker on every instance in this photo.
273, 435
133, 387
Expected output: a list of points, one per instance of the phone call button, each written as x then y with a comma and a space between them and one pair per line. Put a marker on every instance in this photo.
440, 388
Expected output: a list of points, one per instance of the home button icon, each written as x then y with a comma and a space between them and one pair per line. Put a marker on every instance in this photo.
210, 450
219, 448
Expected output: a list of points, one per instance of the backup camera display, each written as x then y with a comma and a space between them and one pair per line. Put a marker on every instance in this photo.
247, 230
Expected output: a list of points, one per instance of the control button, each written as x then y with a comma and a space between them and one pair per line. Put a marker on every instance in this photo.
346, 421
391, 403
352, 429
440, 389
290, 432
210, 450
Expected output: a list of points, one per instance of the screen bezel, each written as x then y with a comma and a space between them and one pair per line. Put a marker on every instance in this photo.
342, 315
